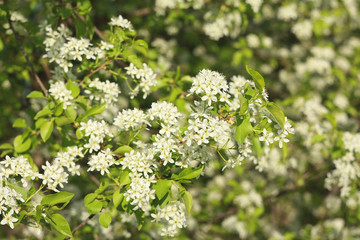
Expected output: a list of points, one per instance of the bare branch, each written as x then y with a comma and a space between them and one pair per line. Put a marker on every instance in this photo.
81, 225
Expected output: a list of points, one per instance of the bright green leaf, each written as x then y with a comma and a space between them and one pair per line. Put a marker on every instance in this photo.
21, 145
60, 121
162, 187
124, 178
6, 146
44, 112
19, 123
35, 94
105, 219
276, 113
258, 79
118, 196
70, 112
94, 207
95, 110
59, 109
46, 130
188, 173
188, 201
73, 87
243, 129
21, 190
60, 224
123, 149
57, 198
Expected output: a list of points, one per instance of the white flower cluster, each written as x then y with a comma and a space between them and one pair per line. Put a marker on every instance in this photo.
121, 22
205, 127
140, 192
131, 119
109, 91
255, 4
68, 158
347, 168
97, 132
139, 162
268, 137
17, 166
237, 87
303, 30
55, 173
287, 12
9, 197
61, 93
102, 161
165, 147
62, 48
172, 216
212, 85
145, 75
165, 112
228, 25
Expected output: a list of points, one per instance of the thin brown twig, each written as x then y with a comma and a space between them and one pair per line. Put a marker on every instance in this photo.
37, 78
102, 66
142, 12
97, 31
46, 69
94, 179
81, 224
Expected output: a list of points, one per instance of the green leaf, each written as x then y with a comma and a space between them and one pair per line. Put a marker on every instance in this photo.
124, 178
73, 87
94, 207
79, 133
59, 109
188, 173
105, 219
89, 198
258, 79
19, 123
21, 145
46, 130
60, 224
102, 187
57, 198
35, 94
84, 6
65, 13
140, 218
256, 146
243, 128
60, 121
276, 113
80, 28
44, 112
6, 146
38, 213
118, 196
21, 215
162, 187
90, 25
70, 112
123, 149
21, 190
95, 110
188, 201
40, 122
